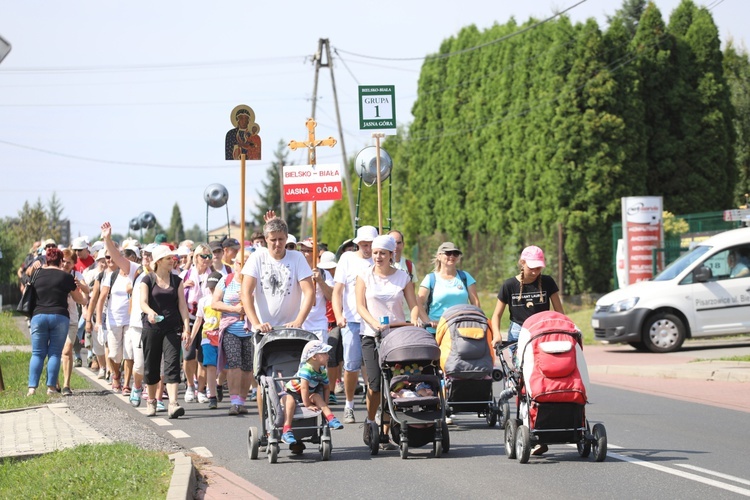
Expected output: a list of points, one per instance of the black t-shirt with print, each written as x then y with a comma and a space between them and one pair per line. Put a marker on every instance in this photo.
531, 301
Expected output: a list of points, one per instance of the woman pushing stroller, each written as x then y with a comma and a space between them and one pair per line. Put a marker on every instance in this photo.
380, 292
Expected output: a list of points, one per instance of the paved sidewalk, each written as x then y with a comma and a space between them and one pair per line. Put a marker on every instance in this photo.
42, 430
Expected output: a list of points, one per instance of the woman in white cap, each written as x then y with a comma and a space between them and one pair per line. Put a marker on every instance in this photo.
165, 324
381, 290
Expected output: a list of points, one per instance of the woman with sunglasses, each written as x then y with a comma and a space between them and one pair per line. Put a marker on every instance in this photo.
194, 280
50, 319
447, 285
68, 265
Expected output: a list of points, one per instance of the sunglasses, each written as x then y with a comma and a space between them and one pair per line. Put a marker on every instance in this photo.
205, 255
51, 246
108, 257
452, 253
291, 246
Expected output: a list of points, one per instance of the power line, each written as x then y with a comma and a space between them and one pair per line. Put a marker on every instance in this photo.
469, 49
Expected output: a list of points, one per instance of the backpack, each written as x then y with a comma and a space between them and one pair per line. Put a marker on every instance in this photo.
410, 269
463, 334
461, 275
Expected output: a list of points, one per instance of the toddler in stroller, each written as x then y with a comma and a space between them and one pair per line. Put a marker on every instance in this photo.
551, 387
409, 360
279, 361
464, 336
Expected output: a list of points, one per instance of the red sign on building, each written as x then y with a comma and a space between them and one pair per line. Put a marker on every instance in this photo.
312, 183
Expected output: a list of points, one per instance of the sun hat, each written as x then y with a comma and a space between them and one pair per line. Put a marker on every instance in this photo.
312, 348
159, 253
291, 239
307, 242
448, 246
101, 254
96, 246
533, 256
183, 252
134, 249
365, 233
79, 244
384, 242
49, 241
327, 260
150, 247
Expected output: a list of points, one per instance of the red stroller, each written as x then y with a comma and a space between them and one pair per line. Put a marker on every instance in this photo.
551, 387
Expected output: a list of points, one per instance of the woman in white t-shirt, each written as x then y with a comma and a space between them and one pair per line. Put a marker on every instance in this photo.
381, 290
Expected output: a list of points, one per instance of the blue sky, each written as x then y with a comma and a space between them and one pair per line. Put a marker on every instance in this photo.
122, 107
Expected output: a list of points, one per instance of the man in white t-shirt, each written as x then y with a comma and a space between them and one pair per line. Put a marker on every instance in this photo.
351, 265
277, 287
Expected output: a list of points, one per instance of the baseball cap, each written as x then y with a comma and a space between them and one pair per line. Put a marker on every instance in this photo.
384, 242
96, 246
365, 233
214, 245
327, 260
230, 243
306, 242
213, 279
533, 256
134, 249
48, 242
312, 348
448, 246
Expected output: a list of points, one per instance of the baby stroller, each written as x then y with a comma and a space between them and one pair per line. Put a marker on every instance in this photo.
551, 387
465, 337
410, 355
275, 361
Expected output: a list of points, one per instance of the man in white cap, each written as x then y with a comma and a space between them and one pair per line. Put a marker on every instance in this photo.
84, 259
350, 265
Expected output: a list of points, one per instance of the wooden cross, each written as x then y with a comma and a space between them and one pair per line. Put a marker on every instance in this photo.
311, 144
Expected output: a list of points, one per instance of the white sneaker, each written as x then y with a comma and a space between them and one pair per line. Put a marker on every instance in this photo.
202, 398
102, 374
449, 420
190, 395
349, 416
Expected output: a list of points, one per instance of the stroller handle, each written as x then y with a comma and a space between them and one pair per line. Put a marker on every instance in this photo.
505, 344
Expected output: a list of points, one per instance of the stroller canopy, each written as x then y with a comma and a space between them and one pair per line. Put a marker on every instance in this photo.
279, 345
408, 343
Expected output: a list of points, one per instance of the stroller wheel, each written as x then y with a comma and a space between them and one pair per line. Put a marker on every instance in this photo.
253, 443
523, 444
374, 438
446, 438
404, 448
325, 449
511, 426
273, 453
491, 416
584, 443
437, 449
600, 443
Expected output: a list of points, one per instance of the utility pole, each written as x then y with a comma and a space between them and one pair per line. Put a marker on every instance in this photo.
324, 44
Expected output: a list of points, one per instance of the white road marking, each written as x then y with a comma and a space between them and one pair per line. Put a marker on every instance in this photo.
161, 422
714, 473
684, 475
179, 434
203, 451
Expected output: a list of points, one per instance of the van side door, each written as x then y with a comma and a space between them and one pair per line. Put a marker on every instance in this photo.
722, 304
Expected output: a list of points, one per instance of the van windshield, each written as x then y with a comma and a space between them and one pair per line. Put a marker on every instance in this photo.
676, 267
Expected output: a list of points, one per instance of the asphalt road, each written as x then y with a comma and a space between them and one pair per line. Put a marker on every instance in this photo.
659, 447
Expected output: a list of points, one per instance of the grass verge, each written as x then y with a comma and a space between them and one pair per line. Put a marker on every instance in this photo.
15, 369
118, 470
9, 332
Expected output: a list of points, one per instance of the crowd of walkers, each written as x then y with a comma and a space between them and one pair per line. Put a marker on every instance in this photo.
154, 316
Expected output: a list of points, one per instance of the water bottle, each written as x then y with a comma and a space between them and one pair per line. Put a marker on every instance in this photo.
159, 318
385, 326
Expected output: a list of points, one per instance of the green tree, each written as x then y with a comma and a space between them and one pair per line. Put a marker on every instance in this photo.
269, 196
195, 233
176, 232
737, 74
628, 15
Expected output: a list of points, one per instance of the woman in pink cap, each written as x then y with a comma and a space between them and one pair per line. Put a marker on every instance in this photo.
527, 293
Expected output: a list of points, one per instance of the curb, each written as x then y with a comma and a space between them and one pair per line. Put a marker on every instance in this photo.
183, 484
719, 372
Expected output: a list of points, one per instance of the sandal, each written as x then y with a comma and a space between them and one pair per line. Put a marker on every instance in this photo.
126, 391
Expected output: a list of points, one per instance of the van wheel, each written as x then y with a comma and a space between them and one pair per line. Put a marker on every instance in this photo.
663, 332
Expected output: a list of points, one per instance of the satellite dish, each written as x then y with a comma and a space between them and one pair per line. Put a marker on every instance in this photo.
147, 220
216, 195
366, 165
135, 224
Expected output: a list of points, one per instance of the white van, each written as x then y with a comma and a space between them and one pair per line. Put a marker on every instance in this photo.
706, 292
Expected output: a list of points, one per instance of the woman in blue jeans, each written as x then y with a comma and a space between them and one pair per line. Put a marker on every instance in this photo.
50, 318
